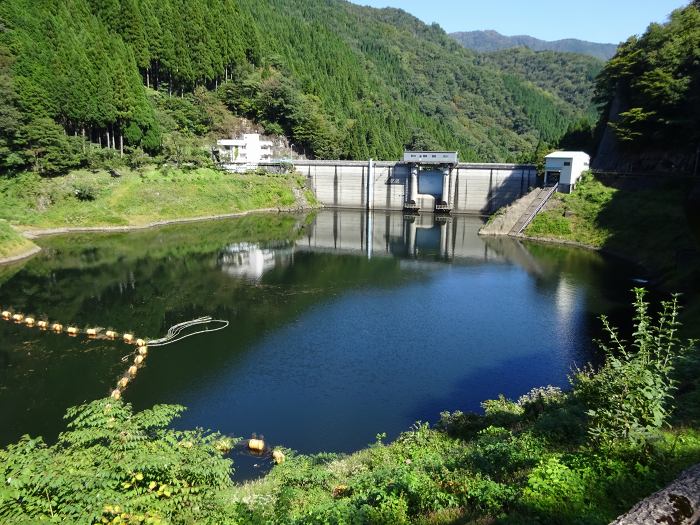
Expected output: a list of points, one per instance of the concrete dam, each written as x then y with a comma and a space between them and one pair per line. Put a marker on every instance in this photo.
417, 186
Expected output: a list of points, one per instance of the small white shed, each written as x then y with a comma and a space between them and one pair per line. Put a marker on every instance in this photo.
566, 168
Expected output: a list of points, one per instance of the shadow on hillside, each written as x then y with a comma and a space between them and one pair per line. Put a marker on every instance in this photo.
656, 222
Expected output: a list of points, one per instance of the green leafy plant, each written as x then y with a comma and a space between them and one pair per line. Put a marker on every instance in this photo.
630, 396
115, 466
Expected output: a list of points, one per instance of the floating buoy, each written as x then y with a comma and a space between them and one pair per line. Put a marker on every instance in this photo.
143, 350
6, 314
258, 445
72, 330
43, 324
57, 327
138, 360
116, 393
278, 456
123, 382
128, 338
17, 318
91, 332
140, 342
111, 334
29, 321
133, 369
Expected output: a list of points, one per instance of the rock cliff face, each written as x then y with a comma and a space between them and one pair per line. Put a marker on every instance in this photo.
613, 156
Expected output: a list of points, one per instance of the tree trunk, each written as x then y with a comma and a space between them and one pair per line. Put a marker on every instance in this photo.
121, 144
677, 504
148, 78
109, 141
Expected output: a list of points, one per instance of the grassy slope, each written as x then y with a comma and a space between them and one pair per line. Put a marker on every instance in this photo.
645, 223
86, 199
11, 242
138, 198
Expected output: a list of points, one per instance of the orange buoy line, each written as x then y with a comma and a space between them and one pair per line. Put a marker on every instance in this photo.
174, 334
29, 321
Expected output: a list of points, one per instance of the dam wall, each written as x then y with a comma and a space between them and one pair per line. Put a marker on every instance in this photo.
470, 188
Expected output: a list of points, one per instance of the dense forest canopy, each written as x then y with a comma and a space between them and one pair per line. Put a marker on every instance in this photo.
78, 77
569, 77
655, 80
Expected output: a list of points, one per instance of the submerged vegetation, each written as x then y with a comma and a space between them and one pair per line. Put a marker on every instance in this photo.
537, 459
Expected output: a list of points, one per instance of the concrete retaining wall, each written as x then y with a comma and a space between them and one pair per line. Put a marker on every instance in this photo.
474, 188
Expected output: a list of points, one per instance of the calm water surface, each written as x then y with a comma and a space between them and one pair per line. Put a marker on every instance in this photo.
343, 325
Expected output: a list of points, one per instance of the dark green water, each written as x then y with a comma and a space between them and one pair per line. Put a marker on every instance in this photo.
343, 326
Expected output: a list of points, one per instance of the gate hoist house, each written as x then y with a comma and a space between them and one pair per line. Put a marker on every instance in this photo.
565, 168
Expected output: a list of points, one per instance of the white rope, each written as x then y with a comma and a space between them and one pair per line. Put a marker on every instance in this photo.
173, 334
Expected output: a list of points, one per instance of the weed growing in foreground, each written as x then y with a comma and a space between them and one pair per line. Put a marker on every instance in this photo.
630, 396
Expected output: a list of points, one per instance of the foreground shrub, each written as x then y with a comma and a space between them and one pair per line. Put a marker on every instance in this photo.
630, 396
114, 466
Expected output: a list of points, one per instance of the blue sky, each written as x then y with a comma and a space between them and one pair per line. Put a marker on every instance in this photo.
595, 20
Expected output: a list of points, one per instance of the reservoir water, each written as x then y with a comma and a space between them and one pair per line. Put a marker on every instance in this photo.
343, 325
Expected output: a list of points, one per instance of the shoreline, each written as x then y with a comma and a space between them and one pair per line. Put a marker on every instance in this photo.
604, 251
32, 250
35, 233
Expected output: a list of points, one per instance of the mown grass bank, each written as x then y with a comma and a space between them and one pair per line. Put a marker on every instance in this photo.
85, 199
12, 243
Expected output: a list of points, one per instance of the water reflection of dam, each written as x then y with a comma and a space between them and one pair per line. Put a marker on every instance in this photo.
429, 238
394, 234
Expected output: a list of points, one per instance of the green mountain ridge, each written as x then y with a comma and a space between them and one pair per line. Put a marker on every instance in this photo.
338, 79
489, 40
568, 76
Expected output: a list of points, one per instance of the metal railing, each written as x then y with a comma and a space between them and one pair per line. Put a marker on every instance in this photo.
532, 215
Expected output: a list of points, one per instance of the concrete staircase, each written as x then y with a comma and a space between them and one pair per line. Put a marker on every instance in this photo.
533, 209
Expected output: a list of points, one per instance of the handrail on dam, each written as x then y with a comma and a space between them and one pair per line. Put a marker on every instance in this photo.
391, 163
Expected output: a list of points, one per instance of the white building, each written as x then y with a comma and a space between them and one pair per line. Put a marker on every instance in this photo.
565, 167
244, 153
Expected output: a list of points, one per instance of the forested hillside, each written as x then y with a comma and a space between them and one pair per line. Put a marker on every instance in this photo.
81, 77
485, 41
568, 76
651, 92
